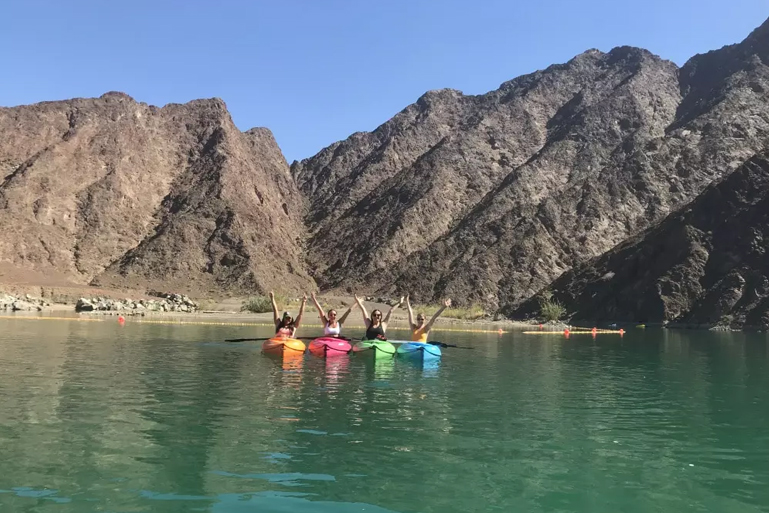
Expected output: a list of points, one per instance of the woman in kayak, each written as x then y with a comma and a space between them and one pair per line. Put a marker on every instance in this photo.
286, 326
331, 326
376, 327
421, 329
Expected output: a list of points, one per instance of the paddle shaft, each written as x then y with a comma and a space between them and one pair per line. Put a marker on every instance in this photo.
434, 343
269, 338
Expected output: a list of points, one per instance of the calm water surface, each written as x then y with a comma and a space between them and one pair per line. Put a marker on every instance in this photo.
162, 418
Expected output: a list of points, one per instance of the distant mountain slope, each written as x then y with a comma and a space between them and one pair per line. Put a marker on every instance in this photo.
122, 192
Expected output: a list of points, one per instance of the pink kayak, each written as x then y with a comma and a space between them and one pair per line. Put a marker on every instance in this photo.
329, 346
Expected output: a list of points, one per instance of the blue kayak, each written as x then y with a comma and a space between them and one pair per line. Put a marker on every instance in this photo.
419, 351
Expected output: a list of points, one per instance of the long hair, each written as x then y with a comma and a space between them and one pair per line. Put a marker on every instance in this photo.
376, 311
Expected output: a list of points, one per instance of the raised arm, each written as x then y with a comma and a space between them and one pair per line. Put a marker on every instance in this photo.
411, 313
275, 313
366, 320
301, 312
344, 316
319, 308
393, 307
437, 314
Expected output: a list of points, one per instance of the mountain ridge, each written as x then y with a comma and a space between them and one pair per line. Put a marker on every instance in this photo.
510, 91
485, 198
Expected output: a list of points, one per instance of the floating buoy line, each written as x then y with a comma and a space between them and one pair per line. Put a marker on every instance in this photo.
577, 331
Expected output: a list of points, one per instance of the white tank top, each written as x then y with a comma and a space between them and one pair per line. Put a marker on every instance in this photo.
334, 332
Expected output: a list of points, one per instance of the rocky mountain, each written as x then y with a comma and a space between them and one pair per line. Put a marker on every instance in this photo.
704, 265
484, 198
426, 173
114, 192
489, 198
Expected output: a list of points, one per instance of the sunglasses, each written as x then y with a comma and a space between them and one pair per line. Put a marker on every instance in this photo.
377, 315
420, 318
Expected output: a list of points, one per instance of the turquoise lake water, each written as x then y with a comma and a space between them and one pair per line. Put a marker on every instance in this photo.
166, 418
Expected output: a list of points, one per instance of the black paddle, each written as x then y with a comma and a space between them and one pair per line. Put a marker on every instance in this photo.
268, 338
246, 339
439, 344
442, 345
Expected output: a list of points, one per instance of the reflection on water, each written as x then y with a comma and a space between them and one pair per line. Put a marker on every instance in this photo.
97, 417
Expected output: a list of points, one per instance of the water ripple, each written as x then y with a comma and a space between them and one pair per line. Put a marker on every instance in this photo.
97, 418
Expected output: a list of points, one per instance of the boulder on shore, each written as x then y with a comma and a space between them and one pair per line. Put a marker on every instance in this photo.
168, 303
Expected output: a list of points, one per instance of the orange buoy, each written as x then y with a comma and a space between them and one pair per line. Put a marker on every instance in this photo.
121, 319
500, 331
621, 331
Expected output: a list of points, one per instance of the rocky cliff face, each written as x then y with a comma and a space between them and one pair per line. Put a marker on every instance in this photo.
428, 173
490, 198
704, 265
117, 192
482, 198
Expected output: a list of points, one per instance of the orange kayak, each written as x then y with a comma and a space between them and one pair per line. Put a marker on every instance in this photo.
280, 345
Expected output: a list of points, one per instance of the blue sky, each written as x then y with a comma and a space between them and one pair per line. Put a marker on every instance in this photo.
315, 71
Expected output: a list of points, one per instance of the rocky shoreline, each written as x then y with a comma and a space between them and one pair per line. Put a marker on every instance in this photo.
26, 304
166, 302
182, 304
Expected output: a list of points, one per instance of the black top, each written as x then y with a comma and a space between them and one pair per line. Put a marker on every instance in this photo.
373, 333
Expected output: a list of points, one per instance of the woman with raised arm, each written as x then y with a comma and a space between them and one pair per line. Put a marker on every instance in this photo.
376, 327
419, 329
331, 326
286, 326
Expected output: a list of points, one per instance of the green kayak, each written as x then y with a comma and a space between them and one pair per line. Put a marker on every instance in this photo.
377, 348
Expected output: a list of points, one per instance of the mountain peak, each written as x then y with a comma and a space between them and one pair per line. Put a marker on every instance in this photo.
436, 96
117, 95
210, 103
761, 32
632, 52
260, 131
590, 53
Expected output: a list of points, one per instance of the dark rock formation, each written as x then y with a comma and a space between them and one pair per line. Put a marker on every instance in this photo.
705, 265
